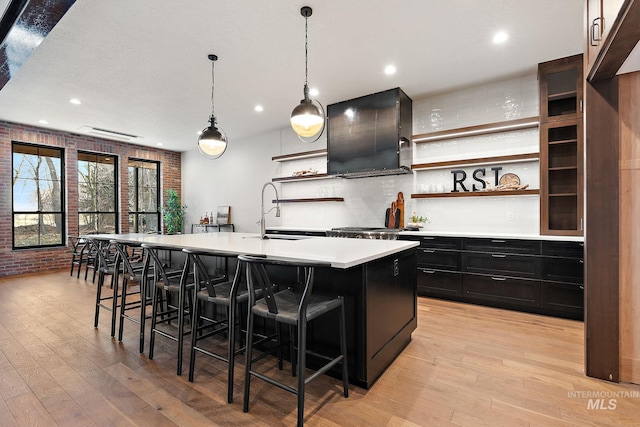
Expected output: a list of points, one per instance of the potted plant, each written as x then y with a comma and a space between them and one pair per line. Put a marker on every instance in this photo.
173, 212
417, 221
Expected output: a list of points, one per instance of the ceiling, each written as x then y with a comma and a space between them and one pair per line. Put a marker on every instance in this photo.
141, 68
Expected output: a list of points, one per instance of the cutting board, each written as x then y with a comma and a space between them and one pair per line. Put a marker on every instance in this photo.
388, 218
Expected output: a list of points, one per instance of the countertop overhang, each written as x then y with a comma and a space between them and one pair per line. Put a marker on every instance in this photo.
340, 253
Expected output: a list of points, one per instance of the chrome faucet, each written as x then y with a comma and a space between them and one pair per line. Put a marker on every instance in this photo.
263, 233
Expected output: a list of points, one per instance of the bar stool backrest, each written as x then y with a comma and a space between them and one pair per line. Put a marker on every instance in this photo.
123, 257
258, 279
159, 270
201, 272
103, 251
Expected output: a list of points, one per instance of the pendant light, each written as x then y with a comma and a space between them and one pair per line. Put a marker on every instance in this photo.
307, 119
212, 141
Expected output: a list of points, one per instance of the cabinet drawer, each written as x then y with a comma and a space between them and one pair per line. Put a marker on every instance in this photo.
563, 297
499, 289
439, 259
439, 283
563, 249
563, 270
530, 247
502, 264
439, 242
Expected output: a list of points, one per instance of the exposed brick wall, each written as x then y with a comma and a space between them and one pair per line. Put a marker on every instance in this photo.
30, 260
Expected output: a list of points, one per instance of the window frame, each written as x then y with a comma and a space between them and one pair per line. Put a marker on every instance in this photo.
134, 226
62, 212
116, 211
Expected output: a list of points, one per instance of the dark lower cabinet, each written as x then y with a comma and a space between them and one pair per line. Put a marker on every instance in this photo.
439, 283
507, 291
567, 299
501, 264
543, 277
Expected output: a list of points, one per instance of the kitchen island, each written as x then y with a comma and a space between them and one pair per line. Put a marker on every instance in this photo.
376, 277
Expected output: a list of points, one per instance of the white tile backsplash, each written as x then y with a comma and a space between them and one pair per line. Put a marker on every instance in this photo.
473, 147
366, 199
494, 102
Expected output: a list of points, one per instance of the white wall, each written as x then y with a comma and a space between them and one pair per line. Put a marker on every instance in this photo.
236, 179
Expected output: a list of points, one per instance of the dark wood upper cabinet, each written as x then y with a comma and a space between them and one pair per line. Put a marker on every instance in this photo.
561, 147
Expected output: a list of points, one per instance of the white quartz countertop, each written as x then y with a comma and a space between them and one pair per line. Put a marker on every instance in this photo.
495, 236
491, 235
340, 253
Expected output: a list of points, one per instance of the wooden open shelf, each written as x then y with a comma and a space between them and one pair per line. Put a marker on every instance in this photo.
301, 155
302, 178
562, 95
505, 126
312, 199
475, 193
482, 160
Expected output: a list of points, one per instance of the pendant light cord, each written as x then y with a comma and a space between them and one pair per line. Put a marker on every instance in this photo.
213, 63
306, 50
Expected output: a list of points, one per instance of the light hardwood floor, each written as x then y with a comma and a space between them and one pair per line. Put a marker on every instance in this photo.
466, 366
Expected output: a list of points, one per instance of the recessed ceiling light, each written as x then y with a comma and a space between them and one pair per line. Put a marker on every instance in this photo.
314, 92
258, 108
75, 101
500, 37
159, 144
390, 69
44, 122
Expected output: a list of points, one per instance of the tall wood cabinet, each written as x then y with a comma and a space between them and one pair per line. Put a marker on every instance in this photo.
561, 147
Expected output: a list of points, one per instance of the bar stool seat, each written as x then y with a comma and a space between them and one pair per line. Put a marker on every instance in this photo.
293, 307
174, 286
136, 274
220, 292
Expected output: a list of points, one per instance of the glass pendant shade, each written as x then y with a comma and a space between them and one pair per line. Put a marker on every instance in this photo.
307, 120
212, 142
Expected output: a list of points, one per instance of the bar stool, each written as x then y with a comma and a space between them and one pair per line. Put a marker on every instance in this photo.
77, 253
219, 291
293, 307
134, 271
103, 267
174, 286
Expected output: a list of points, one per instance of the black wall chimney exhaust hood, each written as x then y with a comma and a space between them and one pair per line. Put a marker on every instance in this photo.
370, 136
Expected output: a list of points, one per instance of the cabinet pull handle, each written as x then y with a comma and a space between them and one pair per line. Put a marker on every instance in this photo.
498, 241
499, 279
424, 270
499, 255
595, 29
581, 261
429, 251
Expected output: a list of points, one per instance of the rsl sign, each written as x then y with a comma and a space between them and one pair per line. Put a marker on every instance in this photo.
507, 181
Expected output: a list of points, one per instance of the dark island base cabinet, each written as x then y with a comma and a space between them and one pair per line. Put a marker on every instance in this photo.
380, 299
543, 277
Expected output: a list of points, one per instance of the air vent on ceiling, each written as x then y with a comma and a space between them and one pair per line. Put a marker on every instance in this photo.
109, 133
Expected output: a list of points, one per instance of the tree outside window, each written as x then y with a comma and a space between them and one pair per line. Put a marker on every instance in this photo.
144, 203
97, 190
38, 196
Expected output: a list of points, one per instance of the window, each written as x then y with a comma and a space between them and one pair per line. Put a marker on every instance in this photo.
97, 189
38, 196
144, 203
